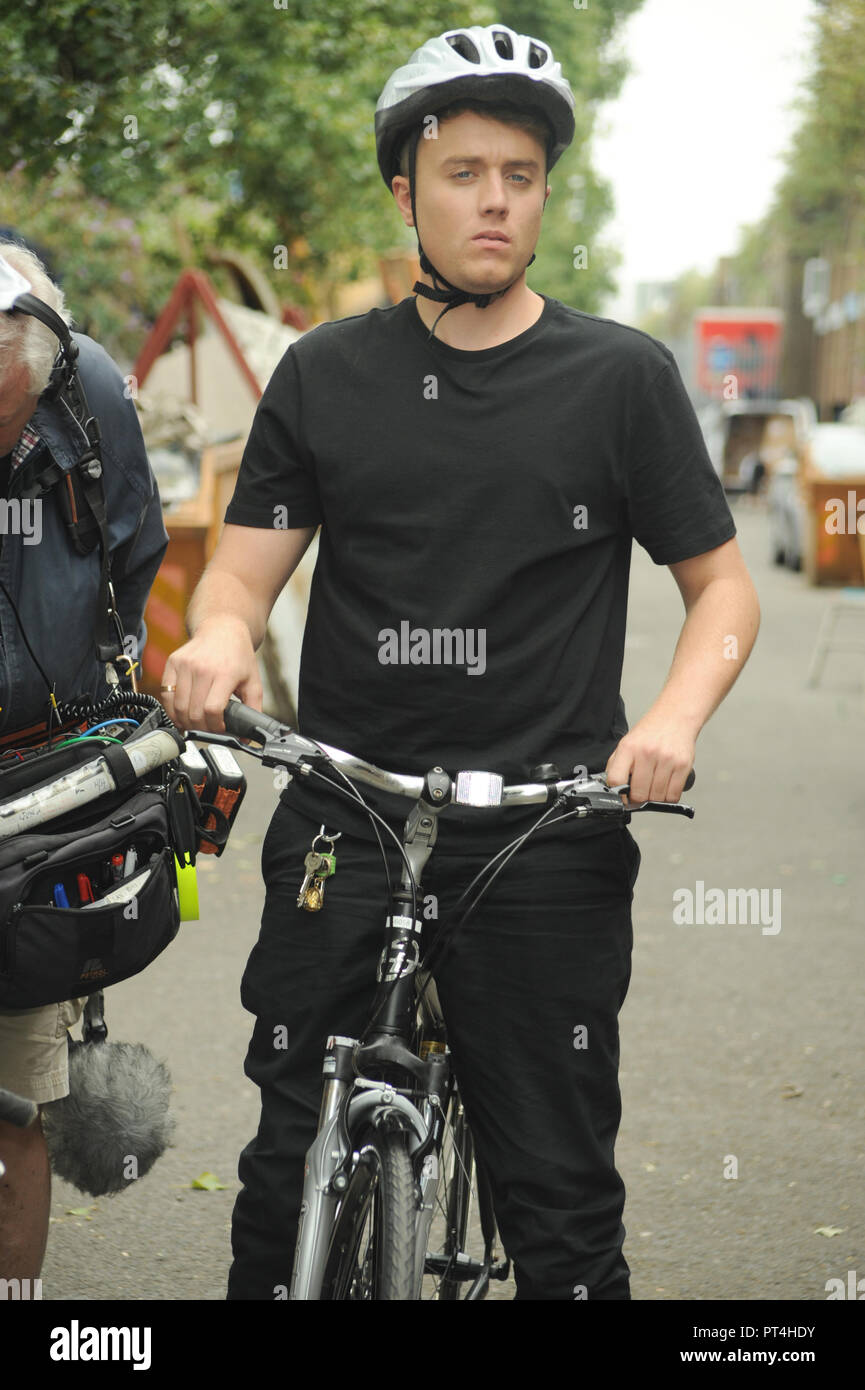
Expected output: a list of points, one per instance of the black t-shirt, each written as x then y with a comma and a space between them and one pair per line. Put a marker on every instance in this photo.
468, 604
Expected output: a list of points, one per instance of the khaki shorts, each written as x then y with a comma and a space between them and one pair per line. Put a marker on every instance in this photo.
33, 1050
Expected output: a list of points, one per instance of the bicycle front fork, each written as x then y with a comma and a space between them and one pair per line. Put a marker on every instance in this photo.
325, 1178
324, 1157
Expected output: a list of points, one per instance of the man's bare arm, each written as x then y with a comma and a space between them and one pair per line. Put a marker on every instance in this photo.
721, 623
227, 620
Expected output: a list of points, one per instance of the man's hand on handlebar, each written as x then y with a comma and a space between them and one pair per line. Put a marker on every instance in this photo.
217, 662
655, 758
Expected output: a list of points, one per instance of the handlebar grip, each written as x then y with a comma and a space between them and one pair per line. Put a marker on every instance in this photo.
245, 722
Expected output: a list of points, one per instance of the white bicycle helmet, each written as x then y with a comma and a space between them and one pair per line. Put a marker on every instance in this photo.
492, 65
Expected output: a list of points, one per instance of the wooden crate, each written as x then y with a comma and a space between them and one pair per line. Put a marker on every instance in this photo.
835, 557
193, 530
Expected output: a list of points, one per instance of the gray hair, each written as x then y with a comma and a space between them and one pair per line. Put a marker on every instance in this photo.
24, 341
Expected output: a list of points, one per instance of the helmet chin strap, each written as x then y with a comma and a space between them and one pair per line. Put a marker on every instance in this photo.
452, 297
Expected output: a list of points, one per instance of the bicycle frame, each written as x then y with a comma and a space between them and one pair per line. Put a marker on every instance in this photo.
352, 1100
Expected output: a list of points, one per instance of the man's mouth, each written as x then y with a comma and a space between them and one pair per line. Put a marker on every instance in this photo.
492, 236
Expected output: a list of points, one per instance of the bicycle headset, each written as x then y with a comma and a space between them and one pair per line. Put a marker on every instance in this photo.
490, 65
80, 490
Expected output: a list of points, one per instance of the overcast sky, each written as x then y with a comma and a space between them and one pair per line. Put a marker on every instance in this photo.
693, 145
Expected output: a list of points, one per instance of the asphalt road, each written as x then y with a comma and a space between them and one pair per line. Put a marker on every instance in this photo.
741, 1049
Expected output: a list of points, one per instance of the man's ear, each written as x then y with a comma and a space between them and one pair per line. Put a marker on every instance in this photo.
546, 196
401, 189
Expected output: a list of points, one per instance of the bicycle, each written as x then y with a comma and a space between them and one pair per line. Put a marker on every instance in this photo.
392, 1174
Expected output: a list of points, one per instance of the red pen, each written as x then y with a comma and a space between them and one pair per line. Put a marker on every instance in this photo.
117, 867
85, 889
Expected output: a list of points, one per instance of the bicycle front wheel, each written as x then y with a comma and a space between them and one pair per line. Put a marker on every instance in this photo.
371, 1254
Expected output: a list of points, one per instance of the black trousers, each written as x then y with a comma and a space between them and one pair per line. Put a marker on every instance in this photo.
531, 988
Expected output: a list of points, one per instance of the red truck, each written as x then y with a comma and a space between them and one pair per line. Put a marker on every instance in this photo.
737, 352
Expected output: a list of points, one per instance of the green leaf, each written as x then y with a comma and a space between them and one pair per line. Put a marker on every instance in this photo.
207, 1182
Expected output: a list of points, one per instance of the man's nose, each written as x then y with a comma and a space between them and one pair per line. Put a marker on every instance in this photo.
493, 190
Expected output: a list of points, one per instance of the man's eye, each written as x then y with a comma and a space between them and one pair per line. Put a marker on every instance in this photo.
460, 172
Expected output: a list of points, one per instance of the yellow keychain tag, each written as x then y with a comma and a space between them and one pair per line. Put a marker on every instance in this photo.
187, 891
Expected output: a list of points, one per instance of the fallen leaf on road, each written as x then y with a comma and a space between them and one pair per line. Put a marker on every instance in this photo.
829, 1230
208, 1182
790, 1091
78, 1211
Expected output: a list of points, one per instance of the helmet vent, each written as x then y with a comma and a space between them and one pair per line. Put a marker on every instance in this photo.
503, 45
538, 55
464, 46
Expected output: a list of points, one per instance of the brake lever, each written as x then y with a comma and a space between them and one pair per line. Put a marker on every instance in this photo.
290, 743
675, 808
224, 740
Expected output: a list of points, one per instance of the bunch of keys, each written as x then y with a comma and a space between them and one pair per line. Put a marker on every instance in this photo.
318, 866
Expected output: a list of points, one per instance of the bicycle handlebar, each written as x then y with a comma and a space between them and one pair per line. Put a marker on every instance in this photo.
282, 746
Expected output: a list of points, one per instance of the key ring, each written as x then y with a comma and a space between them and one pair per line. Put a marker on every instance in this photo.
323, 835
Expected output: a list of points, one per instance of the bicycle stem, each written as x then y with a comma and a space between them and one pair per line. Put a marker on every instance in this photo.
393, 1004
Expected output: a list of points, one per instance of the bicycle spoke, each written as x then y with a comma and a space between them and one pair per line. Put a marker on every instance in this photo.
447, 1238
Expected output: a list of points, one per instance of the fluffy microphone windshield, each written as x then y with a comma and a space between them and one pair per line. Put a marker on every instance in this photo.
115, 1122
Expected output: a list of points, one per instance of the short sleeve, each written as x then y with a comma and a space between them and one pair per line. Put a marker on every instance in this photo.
276, 481
676, 502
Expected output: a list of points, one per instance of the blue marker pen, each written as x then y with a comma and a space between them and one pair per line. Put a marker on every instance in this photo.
60, 898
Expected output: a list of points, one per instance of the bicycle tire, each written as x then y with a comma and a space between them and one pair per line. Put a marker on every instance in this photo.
371, 1255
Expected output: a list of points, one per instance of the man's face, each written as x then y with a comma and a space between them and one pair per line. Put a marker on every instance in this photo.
477, 177
17, 404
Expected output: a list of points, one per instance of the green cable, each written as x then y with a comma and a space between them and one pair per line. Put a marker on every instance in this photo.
81, 737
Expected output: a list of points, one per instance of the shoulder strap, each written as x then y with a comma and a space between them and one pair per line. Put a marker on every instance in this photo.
90, 479
81, 496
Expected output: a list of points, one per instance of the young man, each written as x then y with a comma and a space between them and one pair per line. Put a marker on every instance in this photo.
48, 598
479, 468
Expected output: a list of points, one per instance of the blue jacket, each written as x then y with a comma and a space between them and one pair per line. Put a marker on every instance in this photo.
54, 588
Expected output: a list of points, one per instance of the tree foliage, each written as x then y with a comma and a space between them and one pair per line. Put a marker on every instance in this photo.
249, 123
825, 178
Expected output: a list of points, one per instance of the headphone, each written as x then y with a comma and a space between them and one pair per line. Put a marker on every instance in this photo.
16, 297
